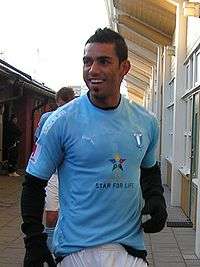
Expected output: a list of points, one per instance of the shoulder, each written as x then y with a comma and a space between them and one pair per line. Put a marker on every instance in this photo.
64, 114
46, 115
72, 108
139, 111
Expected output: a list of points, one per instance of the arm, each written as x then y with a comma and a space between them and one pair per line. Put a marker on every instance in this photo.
52, 201
51, 208
151, 185
32, 206
152, 192
42, 164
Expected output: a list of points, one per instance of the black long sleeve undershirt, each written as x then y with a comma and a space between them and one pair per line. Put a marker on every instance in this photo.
151, 183
32, 205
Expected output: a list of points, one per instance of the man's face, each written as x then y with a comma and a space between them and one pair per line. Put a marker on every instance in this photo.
102, 71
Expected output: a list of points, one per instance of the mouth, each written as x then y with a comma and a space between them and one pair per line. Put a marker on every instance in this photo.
96, 81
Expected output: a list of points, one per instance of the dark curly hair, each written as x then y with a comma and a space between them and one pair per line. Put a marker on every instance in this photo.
107, 35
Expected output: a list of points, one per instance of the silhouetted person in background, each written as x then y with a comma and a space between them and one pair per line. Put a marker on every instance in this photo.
13, 135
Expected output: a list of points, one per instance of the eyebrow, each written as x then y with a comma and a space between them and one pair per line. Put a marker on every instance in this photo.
100, 57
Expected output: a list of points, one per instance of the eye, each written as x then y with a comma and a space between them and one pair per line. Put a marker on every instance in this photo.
104, 61
87, 61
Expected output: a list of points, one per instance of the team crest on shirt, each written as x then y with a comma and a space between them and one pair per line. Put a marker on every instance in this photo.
138, 139
117, 162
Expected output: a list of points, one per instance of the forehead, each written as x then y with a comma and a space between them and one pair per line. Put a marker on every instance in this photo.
99, 50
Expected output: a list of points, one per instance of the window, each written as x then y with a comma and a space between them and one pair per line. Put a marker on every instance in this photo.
198, 67
169, 122
187, 82
187, 132
189, 74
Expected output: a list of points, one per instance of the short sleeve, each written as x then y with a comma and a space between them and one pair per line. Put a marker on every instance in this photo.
150, 156
48, 153
43, 118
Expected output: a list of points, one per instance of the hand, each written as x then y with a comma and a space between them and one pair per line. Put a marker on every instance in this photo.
156, 207
37, 252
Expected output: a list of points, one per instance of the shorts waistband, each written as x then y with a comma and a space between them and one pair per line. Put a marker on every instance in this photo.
107, 247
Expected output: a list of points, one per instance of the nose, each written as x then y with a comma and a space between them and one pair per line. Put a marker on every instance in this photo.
94, 68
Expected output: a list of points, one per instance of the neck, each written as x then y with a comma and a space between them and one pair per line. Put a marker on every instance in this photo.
105, 103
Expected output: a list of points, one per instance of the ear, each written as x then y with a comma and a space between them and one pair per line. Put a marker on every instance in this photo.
125, 67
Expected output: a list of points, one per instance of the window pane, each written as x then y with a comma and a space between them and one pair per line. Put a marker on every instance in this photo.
198, 67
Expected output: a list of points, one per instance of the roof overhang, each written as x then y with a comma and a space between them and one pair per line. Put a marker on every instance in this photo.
145, 25
12, 79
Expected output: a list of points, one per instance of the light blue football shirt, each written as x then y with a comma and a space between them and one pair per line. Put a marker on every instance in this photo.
98, 154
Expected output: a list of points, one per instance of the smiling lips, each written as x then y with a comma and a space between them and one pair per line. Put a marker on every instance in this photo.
96, 81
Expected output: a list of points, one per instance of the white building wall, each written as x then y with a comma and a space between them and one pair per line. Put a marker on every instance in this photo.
177, 152
173, 60
193, 48
193, 33
165, 118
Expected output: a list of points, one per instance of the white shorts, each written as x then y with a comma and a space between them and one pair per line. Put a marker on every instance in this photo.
112, 255
51, 200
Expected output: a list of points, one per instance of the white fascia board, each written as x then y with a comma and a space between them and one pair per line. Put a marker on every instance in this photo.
142, 52
141, 76
174, 2
138, 83
147, 69
111, 11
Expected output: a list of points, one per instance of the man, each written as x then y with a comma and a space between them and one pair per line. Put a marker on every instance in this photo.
100, 144
13, 136
63, 96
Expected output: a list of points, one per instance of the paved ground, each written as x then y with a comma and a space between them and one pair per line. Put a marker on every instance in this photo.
173, 247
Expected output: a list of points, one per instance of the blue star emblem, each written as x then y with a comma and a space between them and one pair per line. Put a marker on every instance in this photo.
117, 162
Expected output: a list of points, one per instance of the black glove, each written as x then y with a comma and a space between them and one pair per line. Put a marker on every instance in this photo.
155, 206
152, 192
37, 252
